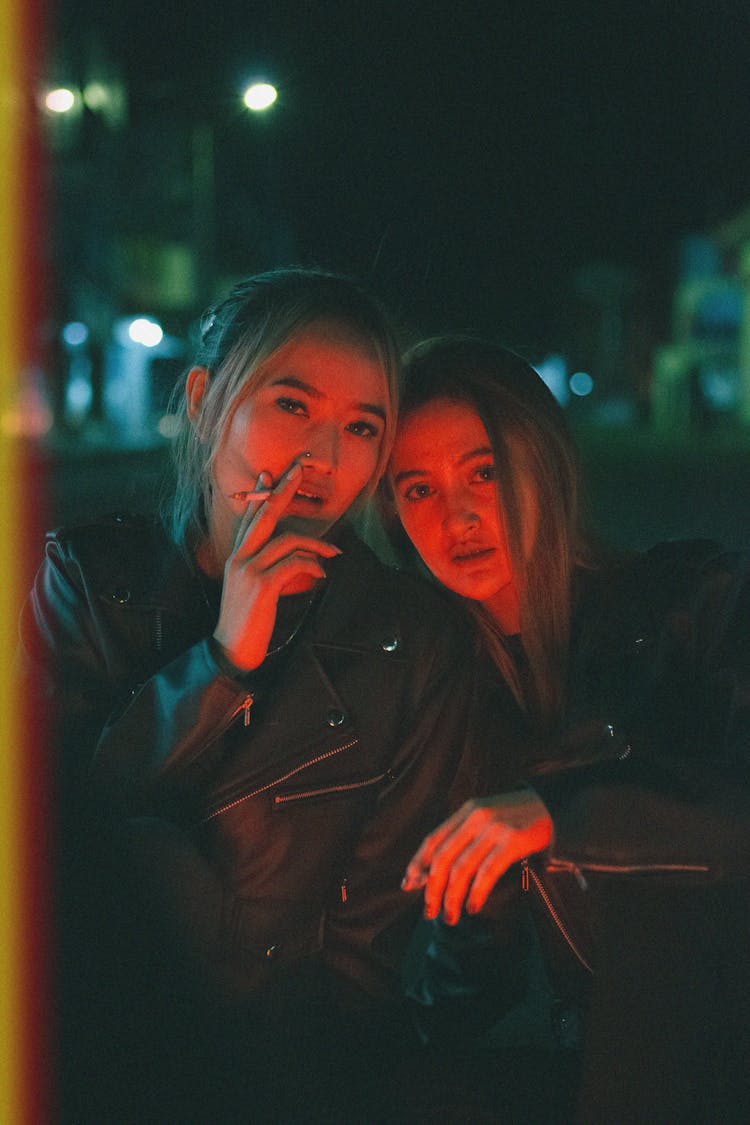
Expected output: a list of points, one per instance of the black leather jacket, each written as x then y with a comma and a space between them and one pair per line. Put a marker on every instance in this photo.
641, 902
648, 779
307, 785
655, 761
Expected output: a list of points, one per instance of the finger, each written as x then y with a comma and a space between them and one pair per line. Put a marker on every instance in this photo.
262, 490
465, 868
492, 868
441, 867
517, 844
419, 865
259, 523
293, 566
288, 544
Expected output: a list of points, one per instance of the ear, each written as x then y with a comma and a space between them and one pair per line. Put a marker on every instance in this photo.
195, 386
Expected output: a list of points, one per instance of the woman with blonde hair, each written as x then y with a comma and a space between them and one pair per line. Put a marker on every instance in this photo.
254, 725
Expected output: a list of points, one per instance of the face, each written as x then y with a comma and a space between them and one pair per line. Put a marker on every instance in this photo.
443, 477
319, 397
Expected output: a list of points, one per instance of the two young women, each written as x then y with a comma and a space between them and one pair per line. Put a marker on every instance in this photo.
256, 723
629, 678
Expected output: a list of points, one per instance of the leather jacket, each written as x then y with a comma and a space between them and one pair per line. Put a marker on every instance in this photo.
647, 778
659, 681
650, 782
306, 785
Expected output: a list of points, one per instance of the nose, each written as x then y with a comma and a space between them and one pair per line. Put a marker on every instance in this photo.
459, 515
322, 448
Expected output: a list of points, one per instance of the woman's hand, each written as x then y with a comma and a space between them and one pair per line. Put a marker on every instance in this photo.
461, 861
258, 571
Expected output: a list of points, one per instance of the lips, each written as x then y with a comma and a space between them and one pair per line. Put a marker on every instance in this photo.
465, 554
311, 494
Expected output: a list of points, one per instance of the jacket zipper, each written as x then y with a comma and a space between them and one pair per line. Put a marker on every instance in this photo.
245, 706
625, 869
277, 780
527, 873
285, 799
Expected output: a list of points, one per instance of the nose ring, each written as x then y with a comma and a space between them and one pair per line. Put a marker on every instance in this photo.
307, 453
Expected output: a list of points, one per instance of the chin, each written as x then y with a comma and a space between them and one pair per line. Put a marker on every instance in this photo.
312, 525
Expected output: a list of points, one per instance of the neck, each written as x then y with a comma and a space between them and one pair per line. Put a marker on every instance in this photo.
207, 559
504, 611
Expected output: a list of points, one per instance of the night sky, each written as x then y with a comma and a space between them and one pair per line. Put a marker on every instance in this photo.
465, 158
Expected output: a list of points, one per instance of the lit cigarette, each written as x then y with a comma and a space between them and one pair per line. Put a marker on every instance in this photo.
246, 497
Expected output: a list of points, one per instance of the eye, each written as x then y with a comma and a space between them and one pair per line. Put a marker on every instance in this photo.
484, 473
363, 429
419, 491
291, 406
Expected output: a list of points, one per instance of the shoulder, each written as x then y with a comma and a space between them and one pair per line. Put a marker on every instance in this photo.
667, 570
116, 552
364, 589
688, 589
684, 572
109, 530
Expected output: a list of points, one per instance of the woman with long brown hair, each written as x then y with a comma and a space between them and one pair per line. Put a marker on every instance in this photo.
622, 690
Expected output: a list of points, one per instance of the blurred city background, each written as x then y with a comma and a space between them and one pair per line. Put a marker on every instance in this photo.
572, 180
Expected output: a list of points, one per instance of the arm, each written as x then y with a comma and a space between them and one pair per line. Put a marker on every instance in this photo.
152, 732
85, 660
681, 801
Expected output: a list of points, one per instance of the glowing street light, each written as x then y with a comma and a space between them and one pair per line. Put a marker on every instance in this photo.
61, 100
260, 96
143, 330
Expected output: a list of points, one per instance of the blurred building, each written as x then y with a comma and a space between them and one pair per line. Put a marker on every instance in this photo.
146, 223
702, 374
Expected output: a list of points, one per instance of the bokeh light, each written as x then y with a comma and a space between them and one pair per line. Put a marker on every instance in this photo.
260, 96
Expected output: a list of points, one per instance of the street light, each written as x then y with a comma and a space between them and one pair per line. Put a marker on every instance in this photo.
257, 97
61, 100
260, 96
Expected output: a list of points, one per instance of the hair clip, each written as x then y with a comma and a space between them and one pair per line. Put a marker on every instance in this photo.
207, 326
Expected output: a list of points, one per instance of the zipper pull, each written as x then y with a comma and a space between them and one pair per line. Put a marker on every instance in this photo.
524, 874
344, 895
246, 704
580, 878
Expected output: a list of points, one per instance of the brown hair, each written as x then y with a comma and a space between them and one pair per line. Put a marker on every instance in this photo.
534, 454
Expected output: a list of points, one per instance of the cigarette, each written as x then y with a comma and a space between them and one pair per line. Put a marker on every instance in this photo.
246, 497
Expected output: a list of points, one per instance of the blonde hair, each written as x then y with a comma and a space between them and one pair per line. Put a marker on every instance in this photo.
260, 315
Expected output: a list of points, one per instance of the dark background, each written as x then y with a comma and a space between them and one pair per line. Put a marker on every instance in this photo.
468, 157
517, 170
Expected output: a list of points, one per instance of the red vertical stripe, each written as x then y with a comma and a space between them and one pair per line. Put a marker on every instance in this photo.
37, 1006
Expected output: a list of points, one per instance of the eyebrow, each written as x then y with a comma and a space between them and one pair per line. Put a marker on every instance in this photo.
313, 392
473, 454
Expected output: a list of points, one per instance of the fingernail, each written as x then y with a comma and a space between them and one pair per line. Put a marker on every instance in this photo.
265, 480
406, 883
293, 471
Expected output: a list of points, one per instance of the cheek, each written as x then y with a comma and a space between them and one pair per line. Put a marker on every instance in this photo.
419, 527
362, 462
